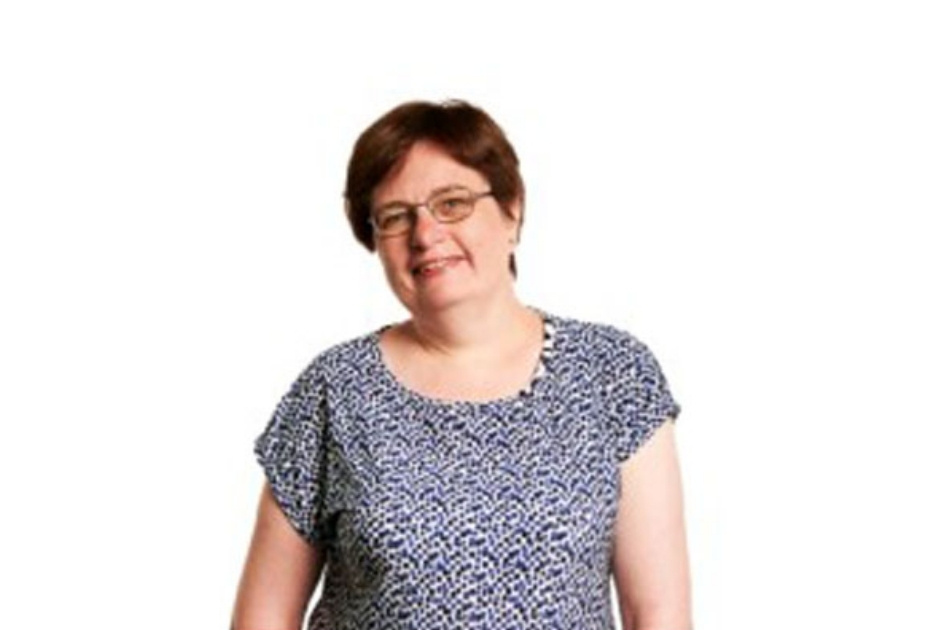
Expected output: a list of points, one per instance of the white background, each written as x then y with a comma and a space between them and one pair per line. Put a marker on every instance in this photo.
742, 185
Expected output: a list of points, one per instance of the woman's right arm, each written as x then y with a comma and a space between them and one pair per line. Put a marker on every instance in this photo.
280, 574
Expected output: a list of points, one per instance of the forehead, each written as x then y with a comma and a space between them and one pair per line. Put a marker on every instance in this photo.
424, 169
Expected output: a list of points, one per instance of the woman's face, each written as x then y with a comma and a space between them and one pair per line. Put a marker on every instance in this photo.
439, 265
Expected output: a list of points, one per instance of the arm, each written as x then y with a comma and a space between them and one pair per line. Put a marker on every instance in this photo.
280, 574
650, 560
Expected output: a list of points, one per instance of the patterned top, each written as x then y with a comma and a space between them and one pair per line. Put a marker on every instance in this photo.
444, 514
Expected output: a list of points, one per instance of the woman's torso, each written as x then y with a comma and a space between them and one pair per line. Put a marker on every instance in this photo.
468, 515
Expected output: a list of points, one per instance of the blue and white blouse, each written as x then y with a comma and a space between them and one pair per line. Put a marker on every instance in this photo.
448, 515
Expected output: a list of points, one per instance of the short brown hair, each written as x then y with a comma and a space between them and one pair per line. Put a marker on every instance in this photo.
464, 131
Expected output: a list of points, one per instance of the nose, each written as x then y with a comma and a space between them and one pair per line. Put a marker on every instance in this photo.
426, 230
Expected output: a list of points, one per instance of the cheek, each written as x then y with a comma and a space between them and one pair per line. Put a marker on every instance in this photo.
387, 255
394, 265
490, 244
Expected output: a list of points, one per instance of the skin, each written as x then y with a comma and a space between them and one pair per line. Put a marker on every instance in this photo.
465, 323
650, 556
281, 572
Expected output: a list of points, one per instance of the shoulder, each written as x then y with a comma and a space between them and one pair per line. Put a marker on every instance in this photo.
334, 366
628, 382
613, 360
600, 343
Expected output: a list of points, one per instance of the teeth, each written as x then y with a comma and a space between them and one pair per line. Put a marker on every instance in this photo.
439, 264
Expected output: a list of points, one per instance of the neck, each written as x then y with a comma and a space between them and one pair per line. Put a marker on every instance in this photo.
469, 331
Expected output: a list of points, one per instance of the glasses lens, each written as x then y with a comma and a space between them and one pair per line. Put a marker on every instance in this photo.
453, 205
392, 220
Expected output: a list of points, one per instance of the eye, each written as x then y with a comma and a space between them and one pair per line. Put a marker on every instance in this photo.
453, 204
391, 219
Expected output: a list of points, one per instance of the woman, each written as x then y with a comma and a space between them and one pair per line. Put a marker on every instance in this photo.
463, 469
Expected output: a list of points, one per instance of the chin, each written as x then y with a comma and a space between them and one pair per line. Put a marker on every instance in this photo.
434, 301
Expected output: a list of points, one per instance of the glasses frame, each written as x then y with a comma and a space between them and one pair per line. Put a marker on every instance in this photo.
413, 208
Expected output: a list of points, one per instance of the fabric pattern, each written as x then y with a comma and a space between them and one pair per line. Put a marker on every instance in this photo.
439, 514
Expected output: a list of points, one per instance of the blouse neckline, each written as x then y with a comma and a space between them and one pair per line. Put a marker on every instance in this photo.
542, 373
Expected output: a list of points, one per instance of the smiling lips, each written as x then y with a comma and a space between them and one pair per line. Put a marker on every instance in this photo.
435, 266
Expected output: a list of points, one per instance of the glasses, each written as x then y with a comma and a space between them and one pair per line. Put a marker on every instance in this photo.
447, 205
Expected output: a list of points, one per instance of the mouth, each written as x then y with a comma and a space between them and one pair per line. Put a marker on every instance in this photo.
435, 266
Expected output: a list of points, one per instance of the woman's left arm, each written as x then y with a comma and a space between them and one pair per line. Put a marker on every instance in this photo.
650, 558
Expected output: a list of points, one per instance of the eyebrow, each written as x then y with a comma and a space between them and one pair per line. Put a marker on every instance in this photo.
399, 203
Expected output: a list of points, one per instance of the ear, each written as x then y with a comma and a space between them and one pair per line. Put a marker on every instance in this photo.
516, 210
515, 216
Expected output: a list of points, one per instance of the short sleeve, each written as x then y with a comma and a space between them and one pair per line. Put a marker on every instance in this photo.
292, 451
636, 393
